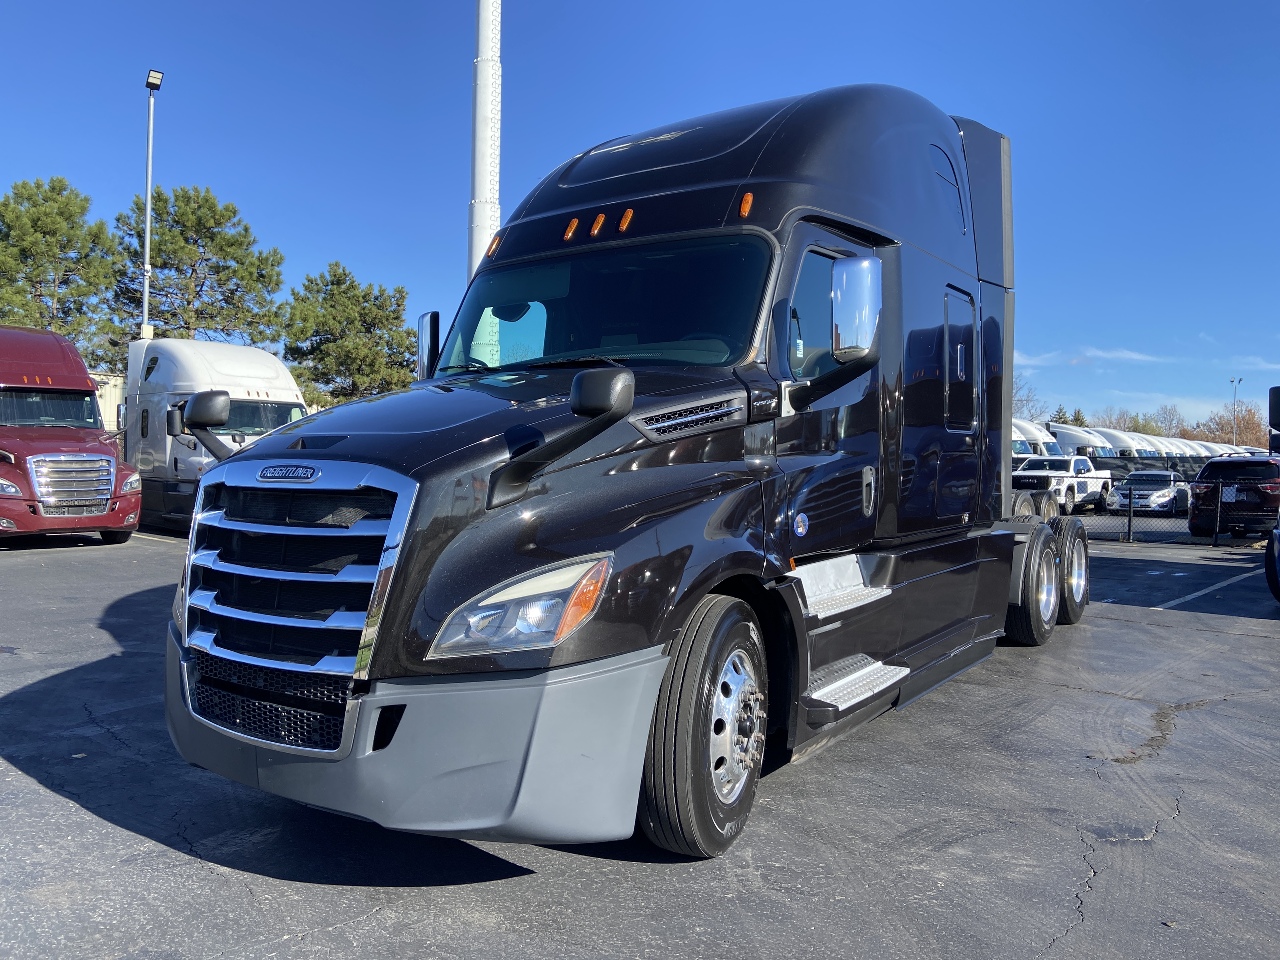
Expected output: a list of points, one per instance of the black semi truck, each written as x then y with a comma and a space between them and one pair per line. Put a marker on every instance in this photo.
712, 460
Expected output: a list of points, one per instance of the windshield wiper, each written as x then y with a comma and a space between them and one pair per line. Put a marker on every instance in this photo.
469, 365
574, 361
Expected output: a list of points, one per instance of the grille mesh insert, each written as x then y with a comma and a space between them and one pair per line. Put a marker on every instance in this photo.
266, 680
263, 720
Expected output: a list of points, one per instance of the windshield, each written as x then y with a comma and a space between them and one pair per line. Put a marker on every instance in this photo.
1022, 447
685, 302
1051, 448
253, 418
1151, 479
1040, 463
49, 408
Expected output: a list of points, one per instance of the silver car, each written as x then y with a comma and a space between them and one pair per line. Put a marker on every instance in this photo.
1153, 491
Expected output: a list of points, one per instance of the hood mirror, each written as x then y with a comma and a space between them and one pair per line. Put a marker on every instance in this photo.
210, 408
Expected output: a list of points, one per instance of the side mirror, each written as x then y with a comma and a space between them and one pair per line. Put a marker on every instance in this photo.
212, 408
1273, 395
173, 424
611, 390
122, 415
428, 345
856, 298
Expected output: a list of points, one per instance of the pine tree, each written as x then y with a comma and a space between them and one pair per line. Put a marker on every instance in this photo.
1060, 415
209, 280
1078, 418
349, 341
56, 268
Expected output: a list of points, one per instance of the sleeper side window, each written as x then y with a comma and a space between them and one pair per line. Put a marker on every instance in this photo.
146, 422
948, 185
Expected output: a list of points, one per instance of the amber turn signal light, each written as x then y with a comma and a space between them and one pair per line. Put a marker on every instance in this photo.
745, 207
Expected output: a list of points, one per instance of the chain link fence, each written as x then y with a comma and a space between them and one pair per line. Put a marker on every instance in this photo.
1202, 513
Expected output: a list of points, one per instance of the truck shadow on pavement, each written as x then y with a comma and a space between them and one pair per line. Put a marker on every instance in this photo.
96, 735
1148, 582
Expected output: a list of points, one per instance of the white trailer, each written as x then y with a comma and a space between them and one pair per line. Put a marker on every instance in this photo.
164, 373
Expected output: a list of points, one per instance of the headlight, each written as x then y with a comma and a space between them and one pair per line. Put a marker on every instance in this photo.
9, 489
1161, 496
132, 485
529, 613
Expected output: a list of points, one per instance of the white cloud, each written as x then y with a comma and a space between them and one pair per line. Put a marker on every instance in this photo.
1122, 354
1206, 338
1021, 359
1192, 407
1252, 363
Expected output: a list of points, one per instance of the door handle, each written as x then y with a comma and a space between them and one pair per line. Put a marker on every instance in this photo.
868, 491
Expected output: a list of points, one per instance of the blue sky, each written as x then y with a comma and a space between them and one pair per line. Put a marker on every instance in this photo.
1144, 138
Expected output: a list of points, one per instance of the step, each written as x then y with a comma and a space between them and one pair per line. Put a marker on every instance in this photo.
837, 688
836, 586
835, 603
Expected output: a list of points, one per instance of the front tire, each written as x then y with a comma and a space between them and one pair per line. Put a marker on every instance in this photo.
706, 741
115, 536
1069, 505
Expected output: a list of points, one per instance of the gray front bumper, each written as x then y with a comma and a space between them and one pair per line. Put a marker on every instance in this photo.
551, 757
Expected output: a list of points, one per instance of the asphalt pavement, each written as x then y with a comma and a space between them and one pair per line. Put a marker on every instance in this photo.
1109, 795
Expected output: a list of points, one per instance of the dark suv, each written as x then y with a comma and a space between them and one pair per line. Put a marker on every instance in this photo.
1249, 488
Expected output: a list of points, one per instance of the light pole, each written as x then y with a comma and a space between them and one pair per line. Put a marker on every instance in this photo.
486, 132
154, 78
1235, 408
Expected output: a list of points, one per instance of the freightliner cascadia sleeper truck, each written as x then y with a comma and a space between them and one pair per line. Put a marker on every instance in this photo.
714, 455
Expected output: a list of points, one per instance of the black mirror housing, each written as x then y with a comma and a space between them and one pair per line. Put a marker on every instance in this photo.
212, 408
598, 392
173, 424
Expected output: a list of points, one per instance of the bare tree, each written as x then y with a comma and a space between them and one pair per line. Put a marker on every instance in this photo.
1027, 404
1170, 419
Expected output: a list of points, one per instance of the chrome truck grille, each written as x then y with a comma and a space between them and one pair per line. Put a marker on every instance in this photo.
72, 484
286, 582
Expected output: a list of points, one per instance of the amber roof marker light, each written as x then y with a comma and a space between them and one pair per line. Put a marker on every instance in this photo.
599, 222
493, 245
626, 220
744, 207
568, 231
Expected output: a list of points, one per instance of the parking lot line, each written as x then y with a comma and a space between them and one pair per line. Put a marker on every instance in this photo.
151, 536
1200, 593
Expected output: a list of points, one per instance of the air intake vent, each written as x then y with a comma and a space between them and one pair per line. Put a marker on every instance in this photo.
691, 419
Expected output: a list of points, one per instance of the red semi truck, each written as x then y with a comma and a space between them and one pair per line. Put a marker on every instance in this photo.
60, 470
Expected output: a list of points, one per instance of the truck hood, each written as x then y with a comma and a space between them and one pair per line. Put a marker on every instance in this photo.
25, 442
406, 430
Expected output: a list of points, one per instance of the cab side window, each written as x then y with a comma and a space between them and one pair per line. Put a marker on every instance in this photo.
811, 317
146, 422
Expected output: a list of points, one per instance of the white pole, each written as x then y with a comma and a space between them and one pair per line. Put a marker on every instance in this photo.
486, 132
146, 227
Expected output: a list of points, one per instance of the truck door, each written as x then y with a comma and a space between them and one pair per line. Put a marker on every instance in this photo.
829, 452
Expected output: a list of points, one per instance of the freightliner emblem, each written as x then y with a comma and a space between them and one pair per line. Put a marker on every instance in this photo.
298, 473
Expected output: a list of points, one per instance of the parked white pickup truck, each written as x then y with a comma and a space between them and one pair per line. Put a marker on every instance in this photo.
1071, 481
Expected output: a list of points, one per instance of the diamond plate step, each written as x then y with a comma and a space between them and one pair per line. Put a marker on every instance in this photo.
837, 688
846, 600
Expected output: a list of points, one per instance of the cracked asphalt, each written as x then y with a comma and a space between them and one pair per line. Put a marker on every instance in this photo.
1112, 794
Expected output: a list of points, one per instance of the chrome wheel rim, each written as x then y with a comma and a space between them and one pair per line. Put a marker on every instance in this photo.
1079, 572
1047, 587
736, 727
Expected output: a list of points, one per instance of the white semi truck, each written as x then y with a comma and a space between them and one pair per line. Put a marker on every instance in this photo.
164, 373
